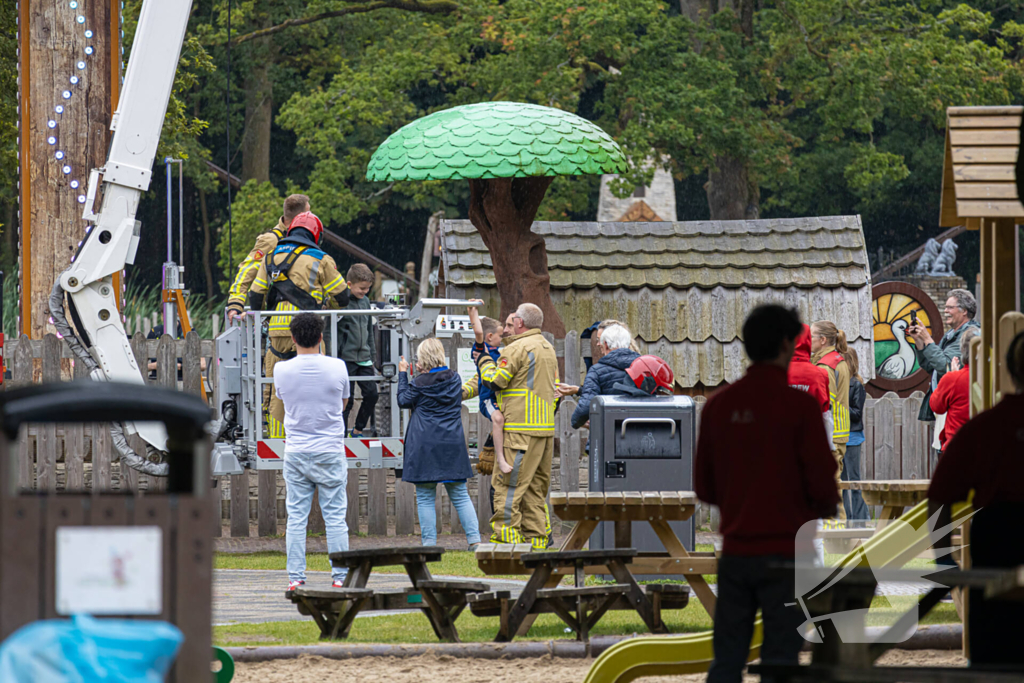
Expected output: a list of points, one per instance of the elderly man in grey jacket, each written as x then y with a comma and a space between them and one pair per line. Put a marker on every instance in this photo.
935, 357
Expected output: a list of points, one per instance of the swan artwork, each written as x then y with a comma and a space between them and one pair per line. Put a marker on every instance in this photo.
899, 364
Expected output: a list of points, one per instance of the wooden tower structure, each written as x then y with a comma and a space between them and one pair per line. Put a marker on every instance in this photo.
980, 185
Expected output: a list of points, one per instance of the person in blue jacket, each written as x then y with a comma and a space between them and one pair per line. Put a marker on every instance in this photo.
435, 445
607, 372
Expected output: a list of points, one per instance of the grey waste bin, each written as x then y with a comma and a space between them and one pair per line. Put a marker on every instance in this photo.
642, 444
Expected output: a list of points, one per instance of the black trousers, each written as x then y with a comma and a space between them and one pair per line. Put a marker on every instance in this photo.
744, 586
368, 391
996, 626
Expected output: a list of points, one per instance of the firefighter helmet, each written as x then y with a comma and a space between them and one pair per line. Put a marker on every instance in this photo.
651, 375
309, 221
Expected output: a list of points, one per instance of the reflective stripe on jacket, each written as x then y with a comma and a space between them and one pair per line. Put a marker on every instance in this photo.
265, 245
838, 391
313, 272
523, 379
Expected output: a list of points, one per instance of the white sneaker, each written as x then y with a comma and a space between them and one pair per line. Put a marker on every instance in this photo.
292, 585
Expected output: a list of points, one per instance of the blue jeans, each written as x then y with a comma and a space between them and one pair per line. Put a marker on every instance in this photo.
326, 473
853, 501
457, 491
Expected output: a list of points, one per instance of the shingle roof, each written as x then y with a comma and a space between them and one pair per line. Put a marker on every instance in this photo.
684, 288
786, 252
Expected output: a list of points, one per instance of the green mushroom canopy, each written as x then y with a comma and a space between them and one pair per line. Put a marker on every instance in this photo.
496, 140
509, 152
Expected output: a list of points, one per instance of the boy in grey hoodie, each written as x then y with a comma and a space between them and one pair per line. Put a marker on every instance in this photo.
356, 346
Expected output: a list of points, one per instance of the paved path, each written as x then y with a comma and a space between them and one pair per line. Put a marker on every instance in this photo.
257, 595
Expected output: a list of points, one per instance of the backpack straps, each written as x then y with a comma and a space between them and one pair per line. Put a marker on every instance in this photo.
282, 288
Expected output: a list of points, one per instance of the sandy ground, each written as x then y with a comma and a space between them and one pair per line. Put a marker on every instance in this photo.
444, 669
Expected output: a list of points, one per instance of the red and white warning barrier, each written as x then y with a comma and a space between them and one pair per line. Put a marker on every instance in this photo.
270, 452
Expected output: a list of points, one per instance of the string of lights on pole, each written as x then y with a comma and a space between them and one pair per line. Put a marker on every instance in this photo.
58, 111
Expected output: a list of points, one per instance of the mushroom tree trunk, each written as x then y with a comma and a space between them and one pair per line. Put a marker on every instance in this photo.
502, 210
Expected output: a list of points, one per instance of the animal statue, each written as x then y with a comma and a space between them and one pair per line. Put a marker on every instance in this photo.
943, 265
899, 364
931, 252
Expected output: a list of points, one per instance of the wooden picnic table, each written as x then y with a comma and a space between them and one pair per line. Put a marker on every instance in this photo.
656, 508
334, 609
892, 495
580, 606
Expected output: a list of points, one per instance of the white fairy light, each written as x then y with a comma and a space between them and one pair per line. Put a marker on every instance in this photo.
51, 124
88, 34
80, 19
88, 50
59, 109
59, 155
74, 5
81, 65
52, 140
74, 80
74, 184
66, 169
81, 199
66, 94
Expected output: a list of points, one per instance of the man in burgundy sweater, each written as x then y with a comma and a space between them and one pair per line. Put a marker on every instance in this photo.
763, 458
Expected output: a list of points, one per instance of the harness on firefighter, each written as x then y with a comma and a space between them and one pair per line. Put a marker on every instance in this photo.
280, 288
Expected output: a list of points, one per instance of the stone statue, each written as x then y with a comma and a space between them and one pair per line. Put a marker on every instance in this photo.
943, 265
931, 252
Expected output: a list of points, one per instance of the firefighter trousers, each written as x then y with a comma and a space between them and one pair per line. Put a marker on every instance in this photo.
275, 416
520, 497
839, 452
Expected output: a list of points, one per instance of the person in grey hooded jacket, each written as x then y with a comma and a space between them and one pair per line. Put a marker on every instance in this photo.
935, 357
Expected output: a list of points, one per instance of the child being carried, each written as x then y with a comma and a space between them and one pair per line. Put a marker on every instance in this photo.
488, 338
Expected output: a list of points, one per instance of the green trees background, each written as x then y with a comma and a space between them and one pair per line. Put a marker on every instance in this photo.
759, 108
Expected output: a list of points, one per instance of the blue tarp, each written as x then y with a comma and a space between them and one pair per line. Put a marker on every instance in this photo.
85, 649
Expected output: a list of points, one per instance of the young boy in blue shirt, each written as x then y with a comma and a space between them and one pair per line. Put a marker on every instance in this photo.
488, 338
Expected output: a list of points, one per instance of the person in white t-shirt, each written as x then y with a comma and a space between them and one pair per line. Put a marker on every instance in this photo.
314, 389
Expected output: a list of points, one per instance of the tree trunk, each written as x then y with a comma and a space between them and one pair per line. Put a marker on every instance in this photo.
732, 196
502, 210
206, 243
258, 110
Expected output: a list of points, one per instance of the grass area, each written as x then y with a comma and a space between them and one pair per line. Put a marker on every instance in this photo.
413, 628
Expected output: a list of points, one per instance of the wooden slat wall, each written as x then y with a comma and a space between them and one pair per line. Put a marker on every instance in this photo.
80, 457
981, 152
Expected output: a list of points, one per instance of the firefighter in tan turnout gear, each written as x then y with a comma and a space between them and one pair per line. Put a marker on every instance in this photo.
266, 242
524, 379
296, 276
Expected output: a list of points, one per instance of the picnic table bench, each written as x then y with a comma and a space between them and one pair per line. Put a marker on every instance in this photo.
580, 607
839, 661
334, 609
656, 508
892, 495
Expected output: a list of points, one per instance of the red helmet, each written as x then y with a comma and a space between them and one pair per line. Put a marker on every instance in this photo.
651, 374
309, 221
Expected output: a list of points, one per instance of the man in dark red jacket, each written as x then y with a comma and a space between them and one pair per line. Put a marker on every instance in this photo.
763, 458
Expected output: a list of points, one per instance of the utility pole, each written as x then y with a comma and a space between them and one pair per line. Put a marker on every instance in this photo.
69, 54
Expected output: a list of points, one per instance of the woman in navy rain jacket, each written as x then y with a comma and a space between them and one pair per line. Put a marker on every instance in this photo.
435, 446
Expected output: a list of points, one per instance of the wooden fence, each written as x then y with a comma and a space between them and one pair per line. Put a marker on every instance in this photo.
81, 457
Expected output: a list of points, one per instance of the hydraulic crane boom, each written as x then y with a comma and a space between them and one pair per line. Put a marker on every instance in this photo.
113, 238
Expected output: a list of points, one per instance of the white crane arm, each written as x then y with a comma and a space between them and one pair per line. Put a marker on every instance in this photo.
112, 240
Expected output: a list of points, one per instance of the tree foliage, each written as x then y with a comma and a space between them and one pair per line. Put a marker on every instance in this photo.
829, 106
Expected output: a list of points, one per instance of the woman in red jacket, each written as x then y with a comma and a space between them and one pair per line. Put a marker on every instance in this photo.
987, 455
953, 394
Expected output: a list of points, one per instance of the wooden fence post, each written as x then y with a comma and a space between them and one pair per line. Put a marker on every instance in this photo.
74, 443
22, 377
569, 438
46, 461
887, 464
914, 441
